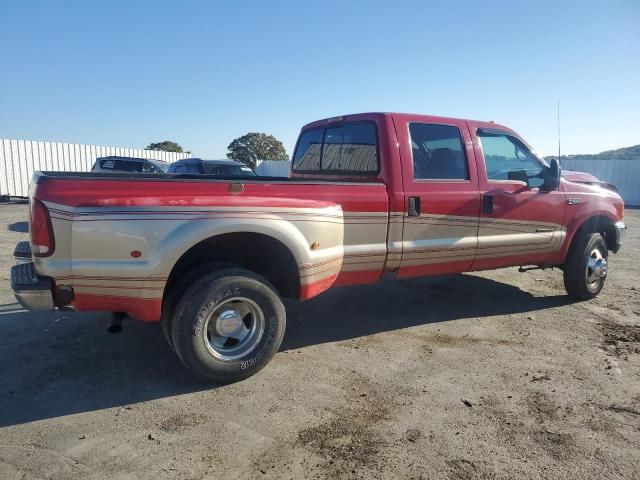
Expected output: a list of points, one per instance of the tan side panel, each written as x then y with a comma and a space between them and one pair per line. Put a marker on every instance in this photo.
103, 240
365, 237
498, 237
432, 239
394, 240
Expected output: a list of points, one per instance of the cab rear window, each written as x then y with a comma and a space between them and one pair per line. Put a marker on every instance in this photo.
349, 148
123, 165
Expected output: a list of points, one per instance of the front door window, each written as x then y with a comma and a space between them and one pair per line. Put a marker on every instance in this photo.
507, 158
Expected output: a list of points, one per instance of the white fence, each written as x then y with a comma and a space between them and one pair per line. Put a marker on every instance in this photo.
624, 174
20, 158
273, 168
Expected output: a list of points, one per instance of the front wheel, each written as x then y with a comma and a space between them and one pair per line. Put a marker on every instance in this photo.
586, 268
228, 325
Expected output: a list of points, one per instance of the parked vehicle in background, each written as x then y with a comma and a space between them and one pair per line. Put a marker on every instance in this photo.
370, 195
115, 164
229, 168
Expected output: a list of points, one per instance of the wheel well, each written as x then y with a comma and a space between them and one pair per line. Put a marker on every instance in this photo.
602, 225
255, 252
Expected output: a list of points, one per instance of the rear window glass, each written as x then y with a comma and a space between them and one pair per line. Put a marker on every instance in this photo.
122, 165
307, 154
235, 170
184, 167
348, 148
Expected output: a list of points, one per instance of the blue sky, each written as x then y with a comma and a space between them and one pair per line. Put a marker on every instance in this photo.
128, 73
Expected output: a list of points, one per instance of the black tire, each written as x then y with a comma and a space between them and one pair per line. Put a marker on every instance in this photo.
176, 291
576, 270
194, 328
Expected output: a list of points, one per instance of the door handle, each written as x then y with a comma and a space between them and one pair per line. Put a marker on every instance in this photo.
487, 204
414, 206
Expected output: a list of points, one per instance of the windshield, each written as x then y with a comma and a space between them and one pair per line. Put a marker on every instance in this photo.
161, 165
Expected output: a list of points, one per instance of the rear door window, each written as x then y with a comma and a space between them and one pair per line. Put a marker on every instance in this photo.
438, 152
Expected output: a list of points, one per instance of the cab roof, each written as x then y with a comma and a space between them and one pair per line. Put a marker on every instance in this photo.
352, 117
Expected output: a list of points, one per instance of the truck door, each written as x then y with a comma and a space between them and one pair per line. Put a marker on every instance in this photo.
442, 200
520, 222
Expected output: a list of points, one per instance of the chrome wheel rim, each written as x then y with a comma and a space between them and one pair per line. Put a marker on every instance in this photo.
597, 267
234, 328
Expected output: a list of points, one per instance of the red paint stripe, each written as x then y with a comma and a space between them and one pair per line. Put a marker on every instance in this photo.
143, 309
200, 212
122, 279
80, 285
307, 266
358, 277
435, 268
374, 254
330, 269
187, 219
310, 290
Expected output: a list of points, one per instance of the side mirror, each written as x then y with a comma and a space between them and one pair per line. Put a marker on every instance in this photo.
552, 175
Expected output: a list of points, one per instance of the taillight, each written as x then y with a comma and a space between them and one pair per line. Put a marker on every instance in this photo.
42, 241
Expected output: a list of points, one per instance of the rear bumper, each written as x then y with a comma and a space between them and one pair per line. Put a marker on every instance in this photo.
621, 230
32, 291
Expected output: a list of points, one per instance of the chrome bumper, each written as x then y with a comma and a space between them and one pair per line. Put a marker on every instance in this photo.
32, 291
621, 230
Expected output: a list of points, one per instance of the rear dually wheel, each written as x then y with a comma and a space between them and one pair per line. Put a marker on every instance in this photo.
228, 325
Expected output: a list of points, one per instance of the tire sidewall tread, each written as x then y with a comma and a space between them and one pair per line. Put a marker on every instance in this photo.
179, 288
575, 265
198, 302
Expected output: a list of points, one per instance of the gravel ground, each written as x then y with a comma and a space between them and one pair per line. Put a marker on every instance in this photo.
492, 375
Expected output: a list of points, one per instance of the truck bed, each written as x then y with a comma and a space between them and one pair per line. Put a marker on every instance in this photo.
43, 176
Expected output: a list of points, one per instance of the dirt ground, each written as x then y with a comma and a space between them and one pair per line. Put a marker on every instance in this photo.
492, 375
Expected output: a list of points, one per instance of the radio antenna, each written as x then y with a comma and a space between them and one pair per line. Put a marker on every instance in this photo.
558, 131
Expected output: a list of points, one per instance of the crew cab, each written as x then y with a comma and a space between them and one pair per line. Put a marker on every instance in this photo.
369, 195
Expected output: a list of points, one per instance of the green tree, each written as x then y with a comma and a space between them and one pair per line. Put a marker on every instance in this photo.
166, 146
256, 146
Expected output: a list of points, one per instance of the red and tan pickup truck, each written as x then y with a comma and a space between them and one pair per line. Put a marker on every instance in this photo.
370, 195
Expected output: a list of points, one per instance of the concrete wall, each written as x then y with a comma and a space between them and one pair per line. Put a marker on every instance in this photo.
273, 168
20, 158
